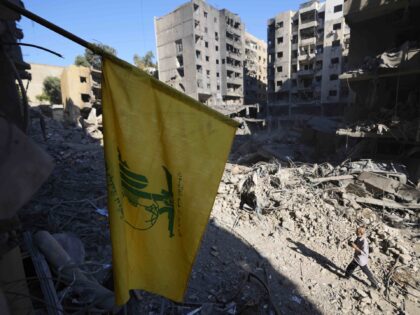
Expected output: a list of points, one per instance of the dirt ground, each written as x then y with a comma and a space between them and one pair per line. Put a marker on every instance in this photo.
289, 260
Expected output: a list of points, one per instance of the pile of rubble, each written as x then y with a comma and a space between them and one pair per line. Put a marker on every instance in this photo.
352, 185
320, 205
276, 240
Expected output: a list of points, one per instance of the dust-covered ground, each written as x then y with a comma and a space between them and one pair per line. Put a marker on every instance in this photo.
277, 240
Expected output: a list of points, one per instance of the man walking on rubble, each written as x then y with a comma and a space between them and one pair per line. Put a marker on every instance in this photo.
361, 255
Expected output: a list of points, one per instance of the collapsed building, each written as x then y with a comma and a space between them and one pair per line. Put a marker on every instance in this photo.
201, 52
307, 51
384, 75
255, 70
80, 90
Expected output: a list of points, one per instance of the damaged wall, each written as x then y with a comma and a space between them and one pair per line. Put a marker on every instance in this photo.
39, 73
384, 74
372, 34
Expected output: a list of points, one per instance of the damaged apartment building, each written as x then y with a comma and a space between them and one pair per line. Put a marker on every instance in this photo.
80, 90
384, 75
255, 70
307, 51
201, 52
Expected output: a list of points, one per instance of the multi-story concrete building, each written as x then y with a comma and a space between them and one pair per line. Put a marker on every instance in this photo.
307, 52
201, 52
384, 75
35, 86
255, 70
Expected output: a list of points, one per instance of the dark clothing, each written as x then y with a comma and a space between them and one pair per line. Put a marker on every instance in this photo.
353, 265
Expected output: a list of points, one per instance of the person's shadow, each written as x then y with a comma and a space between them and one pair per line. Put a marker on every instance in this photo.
321, 260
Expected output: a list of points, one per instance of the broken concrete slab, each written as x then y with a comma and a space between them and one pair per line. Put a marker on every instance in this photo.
378, 181
58, 258
386, 203
392, 186
331, 179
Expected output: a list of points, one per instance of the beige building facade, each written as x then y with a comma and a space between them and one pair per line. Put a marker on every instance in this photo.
39, 72
201, 52
255, 70
76, 86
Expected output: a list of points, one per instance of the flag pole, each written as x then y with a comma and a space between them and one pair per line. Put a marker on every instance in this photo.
52, 27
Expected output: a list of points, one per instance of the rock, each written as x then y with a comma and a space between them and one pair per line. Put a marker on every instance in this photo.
361, 293
288, 224
298, 214
405, 259
368, 215
402, 249
346, 305
374, 296
72, 245
393, 251
374, 250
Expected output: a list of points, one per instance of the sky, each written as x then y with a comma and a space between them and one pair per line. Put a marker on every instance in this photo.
126, 25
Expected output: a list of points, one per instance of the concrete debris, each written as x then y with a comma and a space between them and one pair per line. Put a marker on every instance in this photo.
277, 238
268, 185
72, 245
289, 202
87, 290
401, 57
331, 179
389, 185
92, 125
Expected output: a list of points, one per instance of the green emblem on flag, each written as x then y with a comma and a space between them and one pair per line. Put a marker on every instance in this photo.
153, 204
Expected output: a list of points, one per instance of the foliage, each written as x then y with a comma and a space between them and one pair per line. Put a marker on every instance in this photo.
42, 98
91, 59
51, 91
81, 61
146, 61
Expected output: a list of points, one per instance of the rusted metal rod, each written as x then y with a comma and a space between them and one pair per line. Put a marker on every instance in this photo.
34, 46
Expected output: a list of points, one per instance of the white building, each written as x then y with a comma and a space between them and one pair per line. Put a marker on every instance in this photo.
307, 51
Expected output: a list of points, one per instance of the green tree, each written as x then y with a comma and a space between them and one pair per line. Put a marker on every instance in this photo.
51, 90
81, 61
91, 59
146, 61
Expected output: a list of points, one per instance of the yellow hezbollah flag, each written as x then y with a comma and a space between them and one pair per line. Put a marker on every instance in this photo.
165, 155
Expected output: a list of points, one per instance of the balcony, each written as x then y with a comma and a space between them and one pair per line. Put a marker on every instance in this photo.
232, 67
308, 41
233, 29
233, 54
306, 73
233, 92
234, 40
306, 56
309, 23
308, 6
234, 80
303, 88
